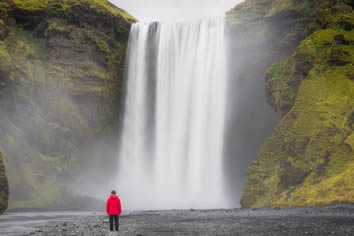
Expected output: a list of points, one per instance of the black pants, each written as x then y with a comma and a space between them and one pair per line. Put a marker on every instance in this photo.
116, 222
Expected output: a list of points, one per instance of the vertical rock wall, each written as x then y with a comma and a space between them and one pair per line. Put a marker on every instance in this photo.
308, 160
4, 188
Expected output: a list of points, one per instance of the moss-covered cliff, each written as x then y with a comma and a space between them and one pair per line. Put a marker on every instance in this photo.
4, 188
260, 32
61, 65
309, 159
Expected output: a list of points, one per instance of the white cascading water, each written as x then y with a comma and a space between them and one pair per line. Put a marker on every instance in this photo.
171, 151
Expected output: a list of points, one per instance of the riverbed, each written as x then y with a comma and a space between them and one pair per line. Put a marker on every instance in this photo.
334, 220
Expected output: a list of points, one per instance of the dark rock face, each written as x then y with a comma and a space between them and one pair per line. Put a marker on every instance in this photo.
4, 188
61, 80
339, 57
290, 175
3, 31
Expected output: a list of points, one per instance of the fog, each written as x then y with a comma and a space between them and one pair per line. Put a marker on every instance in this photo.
175, 10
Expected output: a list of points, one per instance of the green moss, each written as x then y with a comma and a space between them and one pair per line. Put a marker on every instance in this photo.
100, 44
284, 79
308, 161
59, 27
102, 6
98, 5
113, 9
5, 59
99, 74
31, 4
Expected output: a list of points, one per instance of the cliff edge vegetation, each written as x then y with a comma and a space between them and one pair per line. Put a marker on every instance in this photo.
309, 159
61, 80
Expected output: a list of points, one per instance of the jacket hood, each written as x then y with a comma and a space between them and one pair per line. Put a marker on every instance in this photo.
113, 197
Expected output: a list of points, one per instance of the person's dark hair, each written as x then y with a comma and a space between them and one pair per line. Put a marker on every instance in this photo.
113, 192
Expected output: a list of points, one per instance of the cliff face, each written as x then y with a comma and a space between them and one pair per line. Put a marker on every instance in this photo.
309, 159
259, 33
4, 188
61, 65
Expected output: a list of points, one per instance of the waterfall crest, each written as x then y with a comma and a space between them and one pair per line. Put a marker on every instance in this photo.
171, 150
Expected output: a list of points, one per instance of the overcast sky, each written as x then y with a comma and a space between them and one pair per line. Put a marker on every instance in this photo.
174, 10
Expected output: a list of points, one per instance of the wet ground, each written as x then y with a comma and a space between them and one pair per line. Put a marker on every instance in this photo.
319, 221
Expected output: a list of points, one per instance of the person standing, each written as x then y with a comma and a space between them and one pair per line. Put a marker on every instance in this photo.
113, 209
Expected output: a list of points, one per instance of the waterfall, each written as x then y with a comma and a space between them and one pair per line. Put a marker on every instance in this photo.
171, 150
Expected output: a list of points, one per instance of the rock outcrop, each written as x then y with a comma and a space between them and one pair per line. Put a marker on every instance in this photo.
260, 33
4, 188
309, 159
61, 67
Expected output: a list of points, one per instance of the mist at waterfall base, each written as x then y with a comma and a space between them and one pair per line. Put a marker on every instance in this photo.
171, 152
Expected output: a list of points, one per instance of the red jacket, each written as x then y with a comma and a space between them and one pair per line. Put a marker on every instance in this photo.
113, 206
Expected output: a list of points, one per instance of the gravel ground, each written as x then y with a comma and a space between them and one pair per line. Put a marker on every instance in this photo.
318, 221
